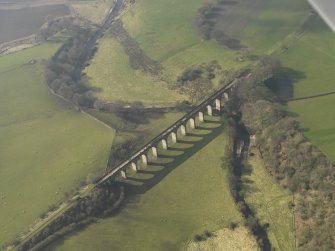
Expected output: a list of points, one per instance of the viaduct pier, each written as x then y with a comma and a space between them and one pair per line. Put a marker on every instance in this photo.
215, 102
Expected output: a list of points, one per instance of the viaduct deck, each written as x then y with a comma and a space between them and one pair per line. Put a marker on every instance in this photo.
165, 134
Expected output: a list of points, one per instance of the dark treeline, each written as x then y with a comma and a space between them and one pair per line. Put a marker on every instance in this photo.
59, 71
100, 202
289, 156
206, 23
235, 156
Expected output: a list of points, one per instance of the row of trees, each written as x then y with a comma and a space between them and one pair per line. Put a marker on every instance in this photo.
98, 203
234, 161
59, 70
296, 163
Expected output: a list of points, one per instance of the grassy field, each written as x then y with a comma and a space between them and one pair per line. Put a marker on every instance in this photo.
312, 55
95, 11
226, 239
168, 37
46, 147
317, 117
170, 202
111, 73
270, 201
165, 32
276, 21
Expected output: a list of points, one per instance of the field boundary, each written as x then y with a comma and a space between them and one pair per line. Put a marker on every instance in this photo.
312, 96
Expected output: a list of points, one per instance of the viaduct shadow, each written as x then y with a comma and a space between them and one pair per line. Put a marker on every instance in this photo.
158, 169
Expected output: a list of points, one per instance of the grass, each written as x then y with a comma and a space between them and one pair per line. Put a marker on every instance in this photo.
226, 239
115, 80
312, 56
165, 32
171, 38
318, 118
168, 37
95, 11
46, 148
270, 203
170, 202
273, 24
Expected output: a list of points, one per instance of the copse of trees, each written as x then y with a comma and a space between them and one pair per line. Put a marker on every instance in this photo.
206, 20
59, 71
296, 163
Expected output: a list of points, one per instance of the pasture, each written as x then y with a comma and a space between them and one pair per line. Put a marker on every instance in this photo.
18, 23
166, 32
270, 202
313, 55
95, 11
177, 196
46, 147
277, 21
317, 119
113, 79
226, 239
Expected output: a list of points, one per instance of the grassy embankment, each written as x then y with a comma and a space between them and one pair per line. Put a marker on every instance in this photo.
46, 148
313, 54
179, 195
270, 202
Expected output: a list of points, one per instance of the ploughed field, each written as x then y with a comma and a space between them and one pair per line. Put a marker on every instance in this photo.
20, 23
46, 147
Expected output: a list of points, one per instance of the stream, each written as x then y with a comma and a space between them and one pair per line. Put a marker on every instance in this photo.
91, 43
242, 142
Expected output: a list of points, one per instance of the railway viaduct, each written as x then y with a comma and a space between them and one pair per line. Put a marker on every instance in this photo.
214, 102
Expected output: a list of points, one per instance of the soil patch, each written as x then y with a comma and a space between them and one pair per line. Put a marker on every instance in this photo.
27, 21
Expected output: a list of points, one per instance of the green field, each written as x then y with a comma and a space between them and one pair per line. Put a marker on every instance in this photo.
191, 198
46, 148
111, 73
317, 117
313, 55
270, 202
276, 21
226, 239
168, 37
165, 32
